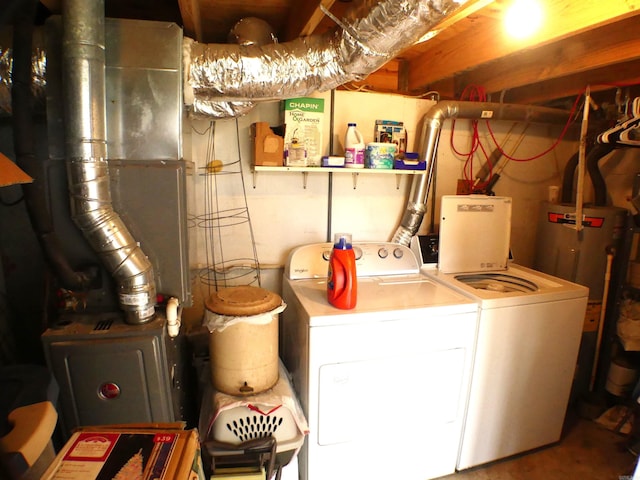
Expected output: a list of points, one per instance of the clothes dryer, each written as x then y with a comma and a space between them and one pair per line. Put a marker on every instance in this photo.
383, 386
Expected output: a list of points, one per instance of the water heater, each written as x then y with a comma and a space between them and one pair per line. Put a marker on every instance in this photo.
580, 257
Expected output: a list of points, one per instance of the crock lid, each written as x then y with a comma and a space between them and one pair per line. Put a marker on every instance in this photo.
242, 301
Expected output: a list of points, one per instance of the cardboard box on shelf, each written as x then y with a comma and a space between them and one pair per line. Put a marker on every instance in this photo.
391, 131
158, 451
303, 119
268, 146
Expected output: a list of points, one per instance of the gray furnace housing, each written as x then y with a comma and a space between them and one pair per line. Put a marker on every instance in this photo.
110, 371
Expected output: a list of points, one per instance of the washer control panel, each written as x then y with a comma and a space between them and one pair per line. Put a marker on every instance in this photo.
372, 259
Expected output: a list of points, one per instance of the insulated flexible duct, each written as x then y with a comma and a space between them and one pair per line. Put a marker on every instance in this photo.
21, 14
83, 56
430, 135
224, 80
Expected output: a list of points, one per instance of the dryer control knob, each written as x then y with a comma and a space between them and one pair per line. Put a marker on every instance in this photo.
398, 253
383, 253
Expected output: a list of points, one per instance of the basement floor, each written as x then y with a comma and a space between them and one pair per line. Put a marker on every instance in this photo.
587, 451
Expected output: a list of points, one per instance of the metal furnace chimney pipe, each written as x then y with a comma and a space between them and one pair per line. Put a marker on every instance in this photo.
83, 56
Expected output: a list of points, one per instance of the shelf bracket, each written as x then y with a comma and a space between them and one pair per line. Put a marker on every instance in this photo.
255, 178
354, 176
305, 175
398, 182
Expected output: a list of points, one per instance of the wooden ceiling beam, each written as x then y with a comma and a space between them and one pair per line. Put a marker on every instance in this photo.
468, 8
385, 79
192, 24
304, 17
626, 74
484, 42
599, 48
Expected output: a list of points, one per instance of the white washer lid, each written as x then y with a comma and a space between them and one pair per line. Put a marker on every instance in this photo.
380, 299
475, 232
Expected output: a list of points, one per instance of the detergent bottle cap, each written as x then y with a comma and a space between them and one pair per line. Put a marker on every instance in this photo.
342, 241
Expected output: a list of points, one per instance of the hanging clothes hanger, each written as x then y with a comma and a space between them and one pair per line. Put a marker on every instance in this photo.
631, 134
626, 132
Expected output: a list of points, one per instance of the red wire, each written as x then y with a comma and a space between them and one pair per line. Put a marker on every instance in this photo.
473, 93
478, 93
554, 145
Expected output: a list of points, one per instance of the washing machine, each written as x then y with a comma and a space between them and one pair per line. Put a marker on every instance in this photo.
383, 386
529, 332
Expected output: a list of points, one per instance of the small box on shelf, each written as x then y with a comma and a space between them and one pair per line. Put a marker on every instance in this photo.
391, 131
409, 161
268, 144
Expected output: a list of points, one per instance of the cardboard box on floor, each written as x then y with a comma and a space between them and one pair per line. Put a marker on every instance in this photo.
10, 173
158, 451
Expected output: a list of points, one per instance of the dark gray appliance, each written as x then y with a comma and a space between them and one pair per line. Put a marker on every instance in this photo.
579, 258
110, 372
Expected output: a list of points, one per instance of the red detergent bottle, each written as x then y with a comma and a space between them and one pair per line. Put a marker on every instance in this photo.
342, 282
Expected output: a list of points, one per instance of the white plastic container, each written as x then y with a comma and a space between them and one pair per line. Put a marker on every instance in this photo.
243, 345
353, 148
380, 155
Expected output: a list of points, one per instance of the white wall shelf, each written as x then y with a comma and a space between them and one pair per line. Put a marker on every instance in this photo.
355, 172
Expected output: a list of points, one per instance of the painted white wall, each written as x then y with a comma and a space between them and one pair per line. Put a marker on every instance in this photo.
284, 213
526, 182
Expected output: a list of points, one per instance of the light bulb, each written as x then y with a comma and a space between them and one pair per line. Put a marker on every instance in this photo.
523, 18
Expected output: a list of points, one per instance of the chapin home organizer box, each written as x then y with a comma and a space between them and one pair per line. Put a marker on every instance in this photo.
303, 118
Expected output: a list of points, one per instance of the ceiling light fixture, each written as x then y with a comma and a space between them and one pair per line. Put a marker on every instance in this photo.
523, 18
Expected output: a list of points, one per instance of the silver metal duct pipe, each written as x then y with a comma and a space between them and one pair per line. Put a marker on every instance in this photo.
83, 56
431, 128
223, 80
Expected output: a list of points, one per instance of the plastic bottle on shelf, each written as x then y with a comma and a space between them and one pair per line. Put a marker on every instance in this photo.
353, 148
342, 281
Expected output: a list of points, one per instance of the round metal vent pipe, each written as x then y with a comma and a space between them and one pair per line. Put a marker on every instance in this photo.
83, 55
